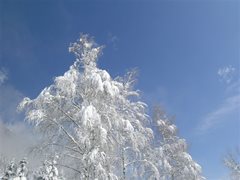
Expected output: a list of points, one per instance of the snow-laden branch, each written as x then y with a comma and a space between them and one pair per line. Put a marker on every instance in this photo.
68, 135
67, 115
155, 169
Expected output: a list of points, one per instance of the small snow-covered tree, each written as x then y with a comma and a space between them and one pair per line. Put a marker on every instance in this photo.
43, 172
3, 164
171, 155
98, 128
53, 174
232, 163
10, 172
22, 170
48, 171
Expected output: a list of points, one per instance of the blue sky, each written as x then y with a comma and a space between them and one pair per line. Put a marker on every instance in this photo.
187, 53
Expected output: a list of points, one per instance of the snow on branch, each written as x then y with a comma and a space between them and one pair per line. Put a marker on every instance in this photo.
86, 51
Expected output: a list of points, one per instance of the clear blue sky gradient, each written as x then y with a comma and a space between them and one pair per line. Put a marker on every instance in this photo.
178, 47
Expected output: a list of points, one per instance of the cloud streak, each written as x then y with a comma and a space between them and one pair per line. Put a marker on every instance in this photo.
230, 105
16, 136
9, 100
112, 39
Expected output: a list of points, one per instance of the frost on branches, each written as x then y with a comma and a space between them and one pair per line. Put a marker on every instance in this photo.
95, 125
233, 164
14, 172
48, 171
173, 160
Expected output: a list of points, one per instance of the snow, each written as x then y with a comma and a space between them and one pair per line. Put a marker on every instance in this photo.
25, 102
36, 115
90, 116
108, 88
93, 155
96, 82
127, 126
67, 82
103, 135
105, 76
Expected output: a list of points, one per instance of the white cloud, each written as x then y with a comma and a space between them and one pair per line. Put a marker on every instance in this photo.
221, 114
17, 140
3, 76
226, 73
9, 100
16, 137
230, 105
12, 126
112, 39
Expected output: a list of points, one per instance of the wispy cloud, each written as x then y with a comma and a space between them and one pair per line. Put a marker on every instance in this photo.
113, 39
3, 76
230, 105
9, 99
226, 73
16, 137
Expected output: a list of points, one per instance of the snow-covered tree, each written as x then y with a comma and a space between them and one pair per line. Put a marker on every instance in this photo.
43, 172
232, 163
99, 129
10, 172
3, 164
48, 171
172, 157
22, 170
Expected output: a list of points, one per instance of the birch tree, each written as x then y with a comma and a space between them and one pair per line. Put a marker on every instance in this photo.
232, 163
173, 160
91, 119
